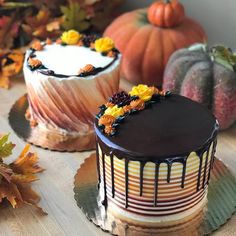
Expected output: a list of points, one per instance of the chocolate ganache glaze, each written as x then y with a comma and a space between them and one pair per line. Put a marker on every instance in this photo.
166, 132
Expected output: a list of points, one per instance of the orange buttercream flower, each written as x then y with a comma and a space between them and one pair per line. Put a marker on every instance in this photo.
87, 68
106, 120
137, 104
37, 46
59, 41
34, 63
127, 108
108, 130
48, 41
109, 104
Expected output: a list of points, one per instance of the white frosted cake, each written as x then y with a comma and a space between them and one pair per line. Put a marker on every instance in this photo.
66, 82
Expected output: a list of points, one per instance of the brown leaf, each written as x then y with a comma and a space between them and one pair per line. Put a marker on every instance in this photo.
22, 179
8, 30
11, 192
5, 172
42, 25
30, 197
26, 163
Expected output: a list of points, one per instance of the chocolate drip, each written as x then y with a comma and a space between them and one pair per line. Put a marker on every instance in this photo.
212, 160
126, 181
112, 175
98, 165
184, 172
169, 165
142, 164
104, 202
199, 171
205, 168
157, 167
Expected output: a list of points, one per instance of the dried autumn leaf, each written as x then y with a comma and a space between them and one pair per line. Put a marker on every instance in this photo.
8, 30
5, 146
26, 163
16, 178
42, 25
74, 17
30, 197
11, 63
11, 192
4, 82
5, 172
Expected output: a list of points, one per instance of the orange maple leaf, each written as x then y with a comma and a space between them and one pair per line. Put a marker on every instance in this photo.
26, 163
16, 178
11, 63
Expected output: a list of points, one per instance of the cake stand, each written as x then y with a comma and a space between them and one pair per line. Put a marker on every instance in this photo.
39, 136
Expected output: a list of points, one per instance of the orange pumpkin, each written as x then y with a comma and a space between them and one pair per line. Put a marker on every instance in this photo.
147, 38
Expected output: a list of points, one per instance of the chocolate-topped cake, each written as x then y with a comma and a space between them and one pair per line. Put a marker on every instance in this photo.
155, 151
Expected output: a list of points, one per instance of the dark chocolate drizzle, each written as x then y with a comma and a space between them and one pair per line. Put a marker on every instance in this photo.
104, 202
157, 167
112, 175
142, 164
98, 166
108, 148
46, 71
126, 182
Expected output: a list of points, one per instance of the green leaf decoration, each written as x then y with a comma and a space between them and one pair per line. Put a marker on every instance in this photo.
74, 17
223, 56
5, 146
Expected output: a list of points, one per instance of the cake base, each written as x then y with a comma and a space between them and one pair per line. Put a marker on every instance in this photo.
41, 137
220, 205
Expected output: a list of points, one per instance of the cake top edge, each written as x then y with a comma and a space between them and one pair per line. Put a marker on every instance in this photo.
90, 44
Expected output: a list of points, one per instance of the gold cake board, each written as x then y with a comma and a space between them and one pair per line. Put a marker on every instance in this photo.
220, 207
40, 137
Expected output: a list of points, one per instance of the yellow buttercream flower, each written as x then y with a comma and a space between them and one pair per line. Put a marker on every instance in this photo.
143, 92
104, 44
71, 37
114, 111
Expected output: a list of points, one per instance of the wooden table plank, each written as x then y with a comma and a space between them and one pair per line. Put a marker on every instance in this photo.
56, 185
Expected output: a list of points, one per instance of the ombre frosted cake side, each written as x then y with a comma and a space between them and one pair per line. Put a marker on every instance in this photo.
68, 80
154, 168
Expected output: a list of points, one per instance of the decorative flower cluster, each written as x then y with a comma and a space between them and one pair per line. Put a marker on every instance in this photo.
102, 45
123, 104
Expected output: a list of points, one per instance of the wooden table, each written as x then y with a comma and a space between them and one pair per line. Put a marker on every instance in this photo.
56, 185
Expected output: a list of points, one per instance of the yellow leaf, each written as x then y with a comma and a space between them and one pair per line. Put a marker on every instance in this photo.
4, 82
54, 25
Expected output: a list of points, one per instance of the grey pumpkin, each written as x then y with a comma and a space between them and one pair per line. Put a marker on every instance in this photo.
206, 75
